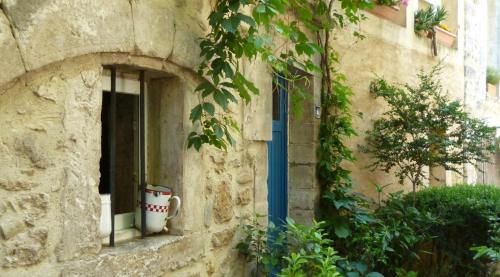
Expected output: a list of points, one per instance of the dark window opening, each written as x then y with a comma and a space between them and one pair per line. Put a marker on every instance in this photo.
122, 165
126, 147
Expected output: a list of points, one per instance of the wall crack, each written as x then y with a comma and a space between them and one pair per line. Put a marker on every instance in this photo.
14, 35
136, 48
173, 39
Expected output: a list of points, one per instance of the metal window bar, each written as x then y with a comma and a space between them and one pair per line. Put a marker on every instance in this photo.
142, 150
112, 153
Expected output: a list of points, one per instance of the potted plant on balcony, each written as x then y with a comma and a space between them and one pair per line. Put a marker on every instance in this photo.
492, 79
444, 35
388, 9
427, 22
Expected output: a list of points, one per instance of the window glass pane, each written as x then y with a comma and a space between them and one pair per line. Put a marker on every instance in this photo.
126, 144
126, 123
104, 162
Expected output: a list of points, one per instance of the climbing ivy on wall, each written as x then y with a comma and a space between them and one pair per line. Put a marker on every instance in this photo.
283, 33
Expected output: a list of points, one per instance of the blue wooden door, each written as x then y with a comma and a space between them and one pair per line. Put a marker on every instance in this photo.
277, 182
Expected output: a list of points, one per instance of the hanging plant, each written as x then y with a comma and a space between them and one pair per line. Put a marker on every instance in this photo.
426, 20
492, 76
236, 35
392, 3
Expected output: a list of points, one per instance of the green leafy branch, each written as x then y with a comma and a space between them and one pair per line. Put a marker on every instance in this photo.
235, 36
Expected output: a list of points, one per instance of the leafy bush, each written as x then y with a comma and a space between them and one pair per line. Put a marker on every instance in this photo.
468, 216
451, 231
291, 250
390, 244
492, 76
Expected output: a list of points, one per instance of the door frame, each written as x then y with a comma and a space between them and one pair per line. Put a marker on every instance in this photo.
281, 85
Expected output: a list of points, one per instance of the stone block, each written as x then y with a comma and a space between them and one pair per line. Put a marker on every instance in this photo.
27, 146
26, 249
302, 133
16, 185
223, 238
302, 153
80, 204
307, 115
223, 206
218, 158
154, 27
245, 177
34, 205
304, 217
52, 30
244, 197
186, 49
257, 124
259, 153
302, 176
301, 199
11, 57
10, 227
153, 256
208, 215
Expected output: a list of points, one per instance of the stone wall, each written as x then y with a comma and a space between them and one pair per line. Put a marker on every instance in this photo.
50, 103
303, 186
395, 53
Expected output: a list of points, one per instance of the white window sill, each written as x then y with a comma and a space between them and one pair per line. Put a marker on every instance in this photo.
123, 235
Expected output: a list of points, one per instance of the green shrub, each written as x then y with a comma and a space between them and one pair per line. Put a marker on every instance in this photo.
492, 75
467, 216
293, 250
449, 231
390, 244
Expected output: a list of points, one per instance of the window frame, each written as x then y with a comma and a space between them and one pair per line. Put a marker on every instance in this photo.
122, 225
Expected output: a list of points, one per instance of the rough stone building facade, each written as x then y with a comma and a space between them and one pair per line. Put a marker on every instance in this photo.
51, 93
55, 60
393, 51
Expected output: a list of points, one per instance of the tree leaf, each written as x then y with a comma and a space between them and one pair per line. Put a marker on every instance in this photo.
209, 108
196, 113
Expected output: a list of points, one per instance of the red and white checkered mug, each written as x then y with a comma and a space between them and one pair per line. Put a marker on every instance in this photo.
157, 205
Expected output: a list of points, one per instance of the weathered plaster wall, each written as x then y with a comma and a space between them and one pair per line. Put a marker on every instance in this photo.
395, 53
481, 35
50, 103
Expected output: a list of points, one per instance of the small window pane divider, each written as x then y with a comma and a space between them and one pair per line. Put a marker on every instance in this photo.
112, 152
142, 154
